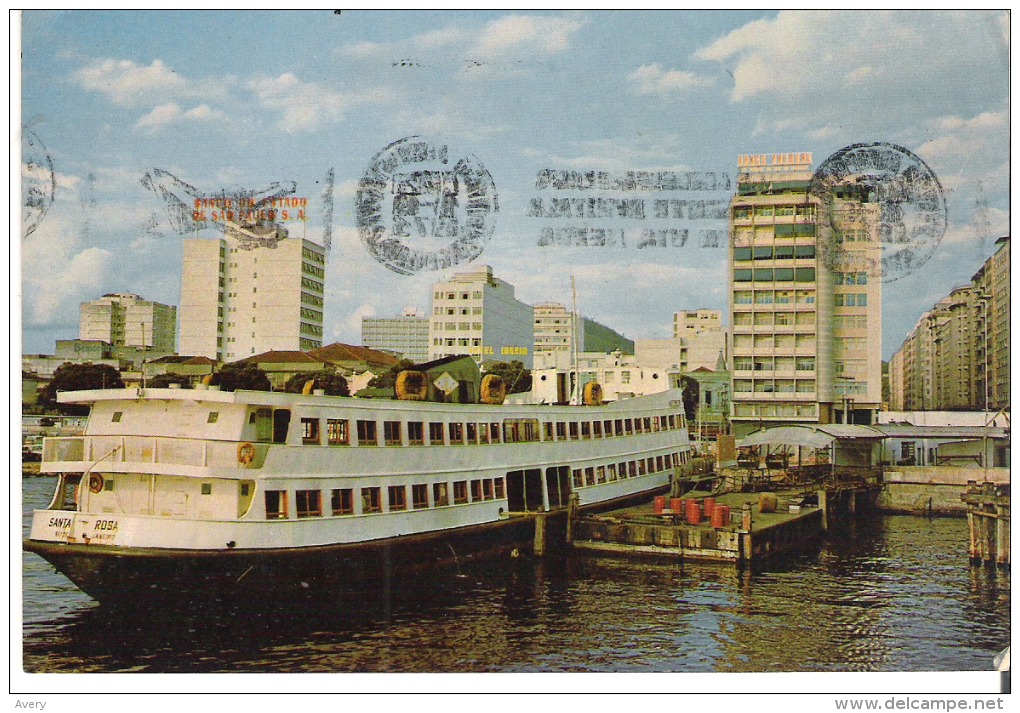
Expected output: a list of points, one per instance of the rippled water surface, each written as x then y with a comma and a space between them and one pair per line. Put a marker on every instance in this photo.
892, 594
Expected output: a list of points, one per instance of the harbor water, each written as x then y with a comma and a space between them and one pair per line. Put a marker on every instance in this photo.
893, 593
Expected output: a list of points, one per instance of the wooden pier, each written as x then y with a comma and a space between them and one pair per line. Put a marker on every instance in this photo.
988, 521
760, 526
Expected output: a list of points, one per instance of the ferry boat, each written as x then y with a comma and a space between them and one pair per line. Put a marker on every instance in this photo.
176, 491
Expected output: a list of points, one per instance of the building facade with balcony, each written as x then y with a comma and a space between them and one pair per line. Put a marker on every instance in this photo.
805, 299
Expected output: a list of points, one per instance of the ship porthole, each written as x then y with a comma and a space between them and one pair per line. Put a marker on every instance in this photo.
95, 482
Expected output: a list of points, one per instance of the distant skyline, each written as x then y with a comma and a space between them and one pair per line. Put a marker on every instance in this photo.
131, 108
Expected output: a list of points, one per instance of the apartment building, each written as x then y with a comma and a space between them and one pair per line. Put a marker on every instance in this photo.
125, 319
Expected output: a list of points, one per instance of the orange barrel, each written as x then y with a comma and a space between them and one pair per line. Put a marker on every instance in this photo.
660, 504
676, 505
709, 506
693, 512
717, 516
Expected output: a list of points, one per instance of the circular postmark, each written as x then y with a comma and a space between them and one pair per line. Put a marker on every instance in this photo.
38, 181
419, 207
881, 210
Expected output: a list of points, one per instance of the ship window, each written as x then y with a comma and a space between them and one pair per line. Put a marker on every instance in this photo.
585, 429
415, 433
672, 422
397, 495
656, 426
206, 488
498, 483
520, 430
628, 426
276, 504
367, 433
420, 496
456, 433
472, 433
632, 467
436, 433
343, 501
578, 478
596, 429
244, 490
251, 417
483, 431
281, 421
494, 432
309, 503
108, 484
476, 490
589, 476
547, 431
607, 426
573, 430
116, 416
460, 494
642, 467
391, 432
370, 500
561, 431
611, 472
337, 431
213, 417
487, 492
310, 431
600, 474
440, 494
659, 465
638, 426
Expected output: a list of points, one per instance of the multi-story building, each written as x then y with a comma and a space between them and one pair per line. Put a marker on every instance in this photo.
477, 314
554, 332
805, 309
406, 334
128, 320
690, 323
621, 376
957, 356
241, 297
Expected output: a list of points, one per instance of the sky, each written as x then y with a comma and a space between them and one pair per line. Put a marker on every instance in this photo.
124, 112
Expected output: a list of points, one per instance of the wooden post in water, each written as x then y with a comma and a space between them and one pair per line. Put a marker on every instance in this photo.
823, 505
539, 546
572, 504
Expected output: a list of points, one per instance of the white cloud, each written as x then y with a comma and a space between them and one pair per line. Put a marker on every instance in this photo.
130, 84
307, 106
652, 79
526, 36
874, 67
171, 113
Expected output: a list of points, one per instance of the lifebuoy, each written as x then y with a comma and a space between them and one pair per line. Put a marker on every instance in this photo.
246, 453
95, 482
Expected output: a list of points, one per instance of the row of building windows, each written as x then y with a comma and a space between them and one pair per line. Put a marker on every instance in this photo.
313, 256
457, 310
779, 297
475, 295
768, 386
307, 328
768, 363
313, 270
850, 278
512, 430
770, 319
774, 252
770, 341
311, 284
778, 274
742, 212
852, 299
771, 410
312, 299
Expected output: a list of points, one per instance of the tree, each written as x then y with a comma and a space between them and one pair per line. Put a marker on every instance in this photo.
78, 377
388, 379
331, 381
692, 392
161, 381
516, 377
241, 376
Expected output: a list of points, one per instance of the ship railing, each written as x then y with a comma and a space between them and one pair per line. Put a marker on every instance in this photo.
81, 452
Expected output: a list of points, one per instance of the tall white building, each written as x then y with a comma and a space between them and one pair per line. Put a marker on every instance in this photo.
406, 334
555, 327
240, 297
477, 314
128, 320
807, 344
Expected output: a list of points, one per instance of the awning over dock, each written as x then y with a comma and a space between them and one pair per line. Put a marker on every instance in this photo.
811, 436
